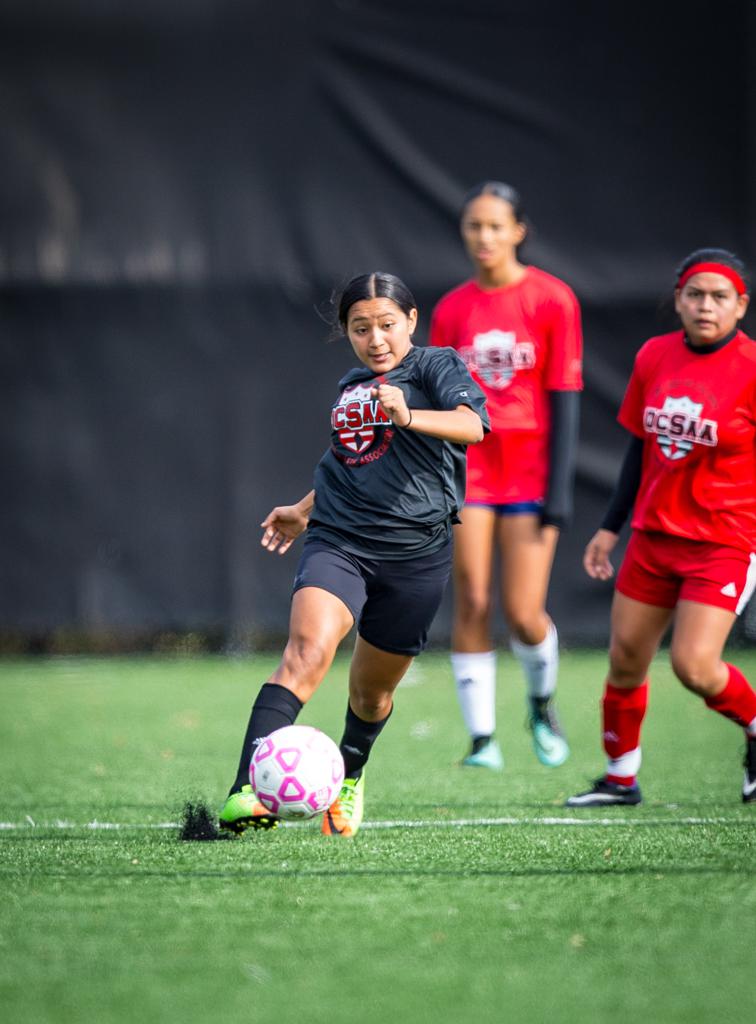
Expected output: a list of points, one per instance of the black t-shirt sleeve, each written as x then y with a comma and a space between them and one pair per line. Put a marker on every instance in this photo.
447, 383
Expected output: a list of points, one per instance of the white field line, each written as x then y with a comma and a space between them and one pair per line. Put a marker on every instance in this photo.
112, 826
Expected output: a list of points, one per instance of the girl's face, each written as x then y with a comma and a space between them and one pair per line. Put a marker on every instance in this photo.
709, 306
380, 333
490, 231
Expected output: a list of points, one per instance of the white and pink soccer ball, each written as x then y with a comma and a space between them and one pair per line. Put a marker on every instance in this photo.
297, 772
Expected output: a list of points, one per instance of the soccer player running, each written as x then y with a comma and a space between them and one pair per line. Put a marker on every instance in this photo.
379, 536
690, 474
518, 329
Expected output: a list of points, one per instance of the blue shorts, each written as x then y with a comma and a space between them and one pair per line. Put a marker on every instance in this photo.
392, 602
511, 508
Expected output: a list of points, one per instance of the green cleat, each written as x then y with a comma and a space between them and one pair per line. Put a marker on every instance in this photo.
548, 741
488, 755
344, 816
243, 810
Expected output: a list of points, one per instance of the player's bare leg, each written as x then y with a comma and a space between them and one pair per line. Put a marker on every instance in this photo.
698, 640
637, 631
317, 624
474, 549
373, 676
527, 554
473, 657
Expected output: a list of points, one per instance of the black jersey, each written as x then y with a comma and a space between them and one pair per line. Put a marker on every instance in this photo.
383, 491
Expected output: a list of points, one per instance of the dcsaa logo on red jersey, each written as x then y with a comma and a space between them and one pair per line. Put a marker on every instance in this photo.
497, 355
679, 425
356, 416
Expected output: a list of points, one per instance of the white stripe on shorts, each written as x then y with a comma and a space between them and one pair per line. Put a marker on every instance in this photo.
750, 585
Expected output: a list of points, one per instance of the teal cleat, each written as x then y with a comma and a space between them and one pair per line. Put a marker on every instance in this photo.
488, 755
549, 743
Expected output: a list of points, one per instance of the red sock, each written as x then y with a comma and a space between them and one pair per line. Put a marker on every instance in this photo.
737, 701
623, 712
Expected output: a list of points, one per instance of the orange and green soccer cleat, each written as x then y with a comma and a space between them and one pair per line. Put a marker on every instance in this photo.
243, 811
344, 816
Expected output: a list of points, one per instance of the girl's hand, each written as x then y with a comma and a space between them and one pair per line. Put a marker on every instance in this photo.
282, 527
596, 558
391, 399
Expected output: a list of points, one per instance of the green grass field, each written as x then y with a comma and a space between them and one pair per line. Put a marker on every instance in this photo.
497, 904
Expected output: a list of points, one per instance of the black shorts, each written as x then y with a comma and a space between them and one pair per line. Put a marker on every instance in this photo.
393, 602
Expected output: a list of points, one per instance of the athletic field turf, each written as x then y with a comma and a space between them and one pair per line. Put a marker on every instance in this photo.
467, 897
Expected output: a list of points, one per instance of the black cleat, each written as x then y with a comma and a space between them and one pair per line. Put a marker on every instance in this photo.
606, 794
749, 763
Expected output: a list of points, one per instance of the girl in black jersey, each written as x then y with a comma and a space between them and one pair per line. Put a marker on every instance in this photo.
378, 546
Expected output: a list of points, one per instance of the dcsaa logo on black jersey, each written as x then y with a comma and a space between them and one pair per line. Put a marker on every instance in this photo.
356, 416
678, 425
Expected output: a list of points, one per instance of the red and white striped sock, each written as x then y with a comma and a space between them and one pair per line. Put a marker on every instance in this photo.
737, 701
623, 711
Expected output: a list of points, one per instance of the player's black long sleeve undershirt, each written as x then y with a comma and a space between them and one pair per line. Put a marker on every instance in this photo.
565, 420
626, 488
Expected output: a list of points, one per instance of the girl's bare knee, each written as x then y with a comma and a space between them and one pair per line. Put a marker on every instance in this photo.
529, 626
625, 667
370, 705
306, 660
473, 606
696, 671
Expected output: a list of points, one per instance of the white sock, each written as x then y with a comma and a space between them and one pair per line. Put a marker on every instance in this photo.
751, 728
539, 663
626, 765
475, 675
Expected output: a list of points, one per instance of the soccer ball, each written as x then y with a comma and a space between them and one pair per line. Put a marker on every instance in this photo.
297, 772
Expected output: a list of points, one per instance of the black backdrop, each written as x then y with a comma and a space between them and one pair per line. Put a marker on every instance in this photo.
183, 185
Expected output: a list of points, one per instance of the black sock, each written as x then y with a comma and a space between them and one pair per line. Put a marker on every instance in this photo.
274, 708
479, 742
358, 738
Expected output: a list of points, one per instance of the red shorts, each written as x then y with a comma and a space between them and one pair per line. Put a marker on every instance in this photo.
662, 569
507, 467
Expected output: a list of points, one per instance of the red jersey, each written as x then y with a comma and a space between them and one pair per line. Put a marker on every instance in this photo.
519, 342
696, 413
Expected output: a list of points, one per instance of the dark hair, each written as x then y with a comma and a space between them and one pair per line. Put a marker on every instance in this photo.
374, 286
724, 256
502, 191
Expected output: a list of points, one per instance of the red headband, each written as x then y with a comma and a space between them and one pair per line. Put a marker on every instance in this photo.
714, 268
